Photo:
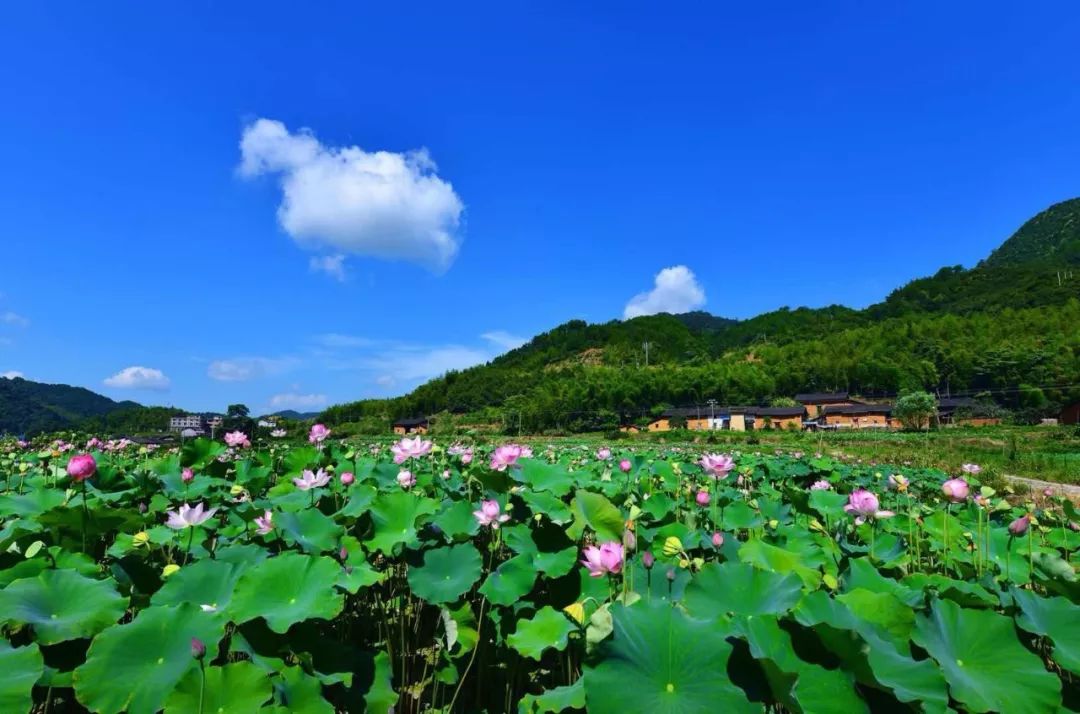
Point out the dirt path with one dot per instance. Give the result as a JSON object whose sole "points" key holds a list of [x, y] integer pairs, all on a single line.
{"points": [[1059, 489]]}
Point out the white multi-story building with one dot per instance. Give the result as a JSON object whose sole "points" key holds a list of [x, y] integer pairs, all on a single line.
{"points": [[188, 421]]}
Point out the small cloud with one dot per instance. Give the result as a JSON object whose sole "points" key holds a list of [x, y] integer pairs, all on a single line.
{"points": [[504, 340], [138, 378], [332, 265], [13, 318], [675, 290], [335, 339], [350, 201], [12, 374], [299, 402], [406, 364], [242, 369], [385, 380]]}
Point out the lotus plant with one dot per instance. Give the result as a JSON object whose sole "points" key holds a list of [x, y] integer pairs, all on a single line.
{"points": [[410, 449], [607, 558], [489, 515], [309, 480], [188, 517], [717, 466]]}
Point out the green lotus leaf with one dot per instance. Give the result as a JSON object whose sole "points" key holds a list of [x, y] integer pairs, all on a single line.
{"points": [[457, 521], [828, 503], [238, 687], [460, 627], [542, 476], [21, 668], [199, 453], [548, 629], [395, 515], [882, 609], [962, 593], [299, 693], [598, 513], [985, 665], [204, 582], [872, 654], [797, 684], [62, 605], [557, 564], [510, 582], [740, 515], [1055, 618], [861, 573], [780, 560], [740, 589], [381, 697], [662, 662], [309, 529], [361, 497], [543, 503], [287, 589], [553, 701], [135, 666], [447, 573], [32, 503]]}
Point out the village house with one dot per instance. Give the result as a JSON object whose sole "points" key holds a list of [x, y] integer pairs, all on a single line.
{"points": [[1070, 414], [417, 425], [855, 416], [964, 411], [778, 417], [814, 402]]}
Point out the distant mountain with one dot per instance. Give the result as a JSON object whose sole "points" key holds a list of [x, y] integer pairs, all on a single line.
{"points": [[28, 407], [1008, 324], [294, 415]]}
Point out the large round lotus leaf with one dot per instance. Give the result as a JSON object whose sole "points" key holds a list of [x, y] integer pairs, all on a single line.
{"points": [[309, 529], [542, 476], [543, 503], [985, 665], [236, 688], [598, 513], [547, 629], [457, 521], [395, 515], [742, 589], [204, 582], [882, 609], [20, 668], [62, 605], [554, 701], [781, 560], [510, 582], [133, 667], [447, 573], [1055, 618], [557, 564], [287, 589], [662, 662], [299, 693]]}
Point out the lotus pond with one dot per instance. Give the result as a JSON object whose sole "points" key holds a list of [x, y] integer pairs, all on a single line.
{"points": [[419, 577]]}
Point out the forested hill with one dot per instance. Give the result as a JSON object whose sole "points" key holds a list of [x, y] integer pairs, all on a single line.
{"points": [[1009, 324], [28, 408]]}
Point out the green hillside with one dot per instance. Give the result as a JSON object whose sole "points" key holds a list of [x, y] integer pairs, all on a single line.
{"points": [[28, 408], [1008, 325]]}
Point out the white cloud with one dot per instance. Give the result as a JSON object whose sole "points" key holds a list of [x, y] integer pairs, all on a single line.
{"points": [[138, 378], [13, 318], [299, 402], [12, 374], [336, 339], [675, 290], [332, 265], [504, 340], [242, 369], [385, 380], [345, 200], [404, 364]]}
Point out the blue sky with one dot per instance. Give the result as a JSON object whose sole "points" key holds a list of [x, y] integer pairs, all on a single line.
{"points": [[540, 162]]}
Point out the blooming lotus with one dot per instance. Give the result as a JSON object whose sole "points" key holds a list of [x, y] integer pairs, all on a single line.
{"points": [[265, 522], [507, 456], [406, 479], [311, 480], [603, 454], [237, 439], [93, 443], [489, 515], [821, 486], [717, 466], [625, 466], [863, 505], [607, 558], [955, 489], [188, 517], [409, 449], [81, 467], [318, 433], [900, 483], [971, 468], [278, 433]]}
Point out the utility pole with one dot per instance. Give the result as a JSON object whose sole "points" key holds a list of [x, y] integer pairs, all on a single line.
{"points": [[645, 345], [712, 412]]}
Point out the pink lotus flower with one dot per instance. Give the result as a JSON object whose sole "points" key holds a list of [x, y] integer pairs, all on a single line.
{"points": [[318, 433], [187, 475], [702, 498], [278, 433], [406, 479], [237, 439], [81, 467], [647, 559], [311, 480], [863, 504], [93, 443], [717, 539], [506, 456], [265, 522], [410, 449], [347, 478], [821, 486], [198, 649], [607, 558], [956, 490], [625, 466], [900, 483], [603, 453], [1020, 526], [188, 517], [971, 468], [717, 466], [445, 474], [489, 514]]}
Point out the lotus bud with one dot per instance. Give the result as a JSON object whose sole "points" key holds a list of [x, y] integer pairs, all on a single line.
{"points": [[648, 559], [198, 649], [1020, 526]]}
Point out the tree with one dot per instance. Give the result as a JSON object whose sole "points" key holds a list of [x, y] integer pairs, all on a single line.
{"points": [[915, 410], [237, 419]]}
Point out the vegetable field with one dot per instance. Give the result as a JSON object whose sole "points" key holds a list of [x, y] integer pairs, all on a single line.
{"points": [[421, 577]]}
